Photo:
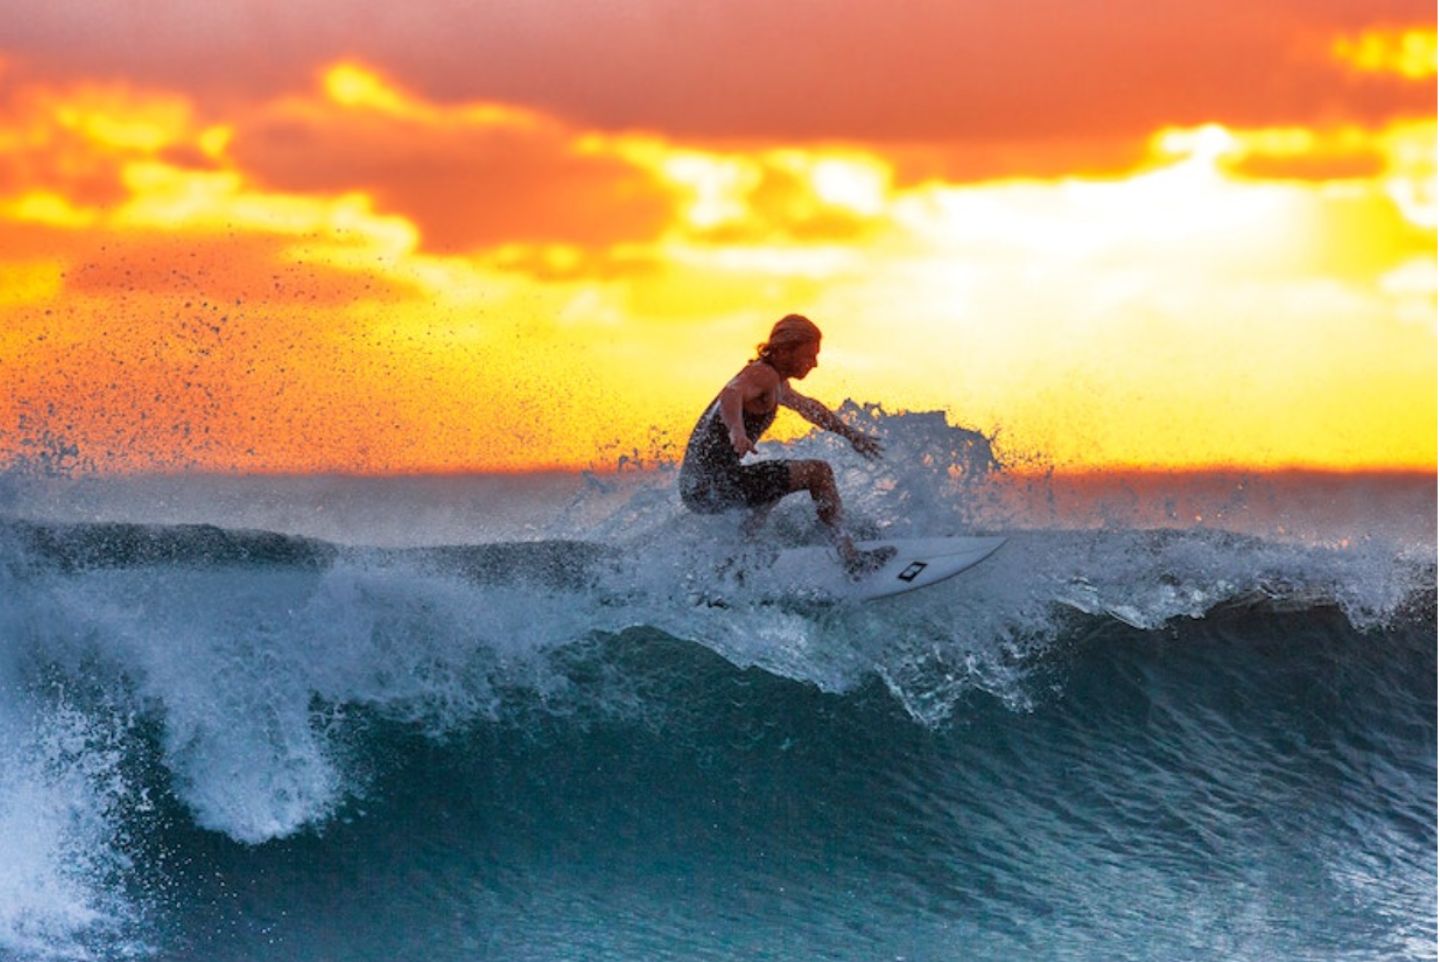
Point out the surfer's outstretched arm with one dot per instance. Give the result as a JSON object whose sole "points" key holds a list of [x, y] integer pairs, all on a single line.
{"points": [[822, 417]]}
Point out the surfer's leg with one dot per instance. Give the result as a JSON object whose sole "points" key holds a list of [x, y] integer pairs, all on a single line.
{"points": [[760, 487], [817, 478]]}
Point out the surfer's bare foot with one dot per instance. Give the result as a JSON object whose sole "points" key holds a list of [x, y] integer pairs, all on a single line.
{"points": [[862, 563]]}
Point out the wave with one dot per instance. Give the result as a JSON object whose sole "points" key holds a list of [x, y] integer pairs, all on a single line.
{"points": [[263, 686], [131, 757]]}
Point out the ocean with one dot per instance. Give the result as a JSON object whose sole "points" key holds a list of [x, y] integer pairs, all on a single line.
{"points": [[473, 718]]}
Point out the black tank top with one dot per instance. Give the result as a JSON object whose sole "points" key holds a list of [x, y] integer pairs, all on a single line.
{"points": [[710, 450]]}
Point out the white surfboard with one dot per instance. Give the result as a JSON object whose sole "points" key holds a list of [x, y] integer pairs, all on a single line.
{"points": [[816, 572]]}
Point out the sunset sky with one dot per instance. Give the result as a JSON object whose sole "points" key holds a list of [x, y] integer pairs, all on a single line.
{"points": [[327, 235]]}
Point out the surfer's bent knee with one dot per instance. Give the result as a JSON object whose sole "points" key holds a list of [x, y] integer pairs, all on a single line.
{"points": [[818, 478], [811, 475]]}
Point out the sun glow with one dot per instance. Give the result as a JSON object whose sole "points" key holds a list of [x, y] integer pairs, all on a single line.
{"points": [[483, 285], [716, 185], [860, 184]]}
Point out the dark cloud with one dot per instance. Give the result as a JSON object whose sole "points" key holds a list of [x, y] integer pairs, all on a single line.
{"points": [[933, 70], [1320, 165], [466, 186]]}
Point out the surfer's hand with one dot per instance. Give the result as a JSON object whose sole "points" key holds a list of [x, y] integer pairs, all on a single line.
{"points": [[742, 444], [869, 446]]}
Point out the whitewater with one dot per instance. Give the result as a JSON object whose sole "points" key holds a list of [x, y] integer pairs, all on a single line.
{"points": [[332, 718]]}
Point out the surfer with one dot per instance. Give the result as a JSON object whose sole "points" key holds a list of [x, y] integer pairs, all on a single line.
{"points": [[712, 477]]}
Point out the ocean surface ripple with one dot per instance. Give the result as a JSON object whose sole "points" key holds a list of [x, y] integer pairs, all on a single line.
{"points": [[1111, 740]]}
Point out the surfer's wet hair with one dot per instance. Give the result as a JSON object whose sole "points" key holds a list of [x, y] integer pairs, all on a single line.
{"points": [[790, 329]]}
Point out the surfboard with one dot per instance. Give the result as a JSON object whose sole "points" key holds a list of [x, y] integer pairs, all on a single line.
{"points": [[816, 572]]}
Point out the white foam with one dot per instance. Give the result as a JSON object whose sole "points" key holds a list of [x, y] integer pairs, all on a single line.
{"points": [[60, 865]]}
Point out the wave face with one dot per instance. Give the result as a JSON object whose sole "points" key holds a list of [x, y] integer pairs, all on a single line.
{"points": [[1124, 738]]}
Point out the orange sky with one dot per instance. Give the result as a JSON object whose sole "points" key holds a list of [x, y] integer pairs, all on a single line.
{"points": [[280, 238]]}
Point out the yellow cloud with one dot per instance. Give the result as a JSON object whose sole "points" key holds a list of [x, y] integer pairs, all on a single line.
{"points": [[120, 119], [1408, 52], [352, 85], [357, 86], [169, 197], [47, 207]]}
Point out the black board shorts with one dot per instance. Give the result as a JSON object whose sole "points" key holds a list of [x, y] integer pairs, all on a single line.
{"points": [[741, 486]]}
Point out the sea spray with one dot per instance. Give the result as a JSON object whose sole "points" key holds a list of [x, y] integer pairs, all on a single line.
{"points": [[1132, 683]]}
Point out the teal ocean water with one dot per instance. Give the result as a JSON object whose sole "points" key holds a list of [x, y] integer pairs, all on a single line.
{"points": [[468, 719]]}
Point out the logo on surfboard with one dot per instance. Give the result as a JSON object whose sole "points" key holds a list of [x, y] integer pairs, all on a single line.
{"points": [[911, 571]]}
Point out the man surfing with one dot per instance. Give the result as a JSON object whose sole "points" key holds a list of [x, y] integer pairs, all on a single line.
{"points": [[712, 477]]}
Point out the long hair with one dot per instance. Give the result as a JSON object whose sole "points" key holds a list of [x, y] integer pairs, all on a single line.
{"points": [[790, 329]]}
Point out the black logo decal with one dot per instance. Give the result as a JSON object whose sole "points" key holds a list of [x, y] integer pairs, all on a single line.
{"points": [[911, 571]]}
